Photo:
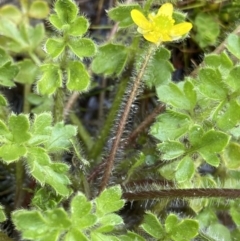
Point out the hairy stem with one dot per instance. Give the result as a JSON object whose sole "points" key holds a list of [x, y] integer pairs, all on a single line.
{"points": [[123, 119], [19, 168], [58, 105], [183, 193], [105, 131]]}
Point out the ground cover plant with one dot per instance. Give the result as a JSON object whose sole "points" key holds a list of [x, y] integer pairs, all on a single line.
{"points": [[125, 127]]}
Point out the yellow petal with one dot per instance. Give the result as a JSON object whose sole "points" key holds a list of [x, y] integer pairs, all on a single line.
{"points": [[165, 37], [151, 37], [178, 30], [166, 9], [139, 19]]}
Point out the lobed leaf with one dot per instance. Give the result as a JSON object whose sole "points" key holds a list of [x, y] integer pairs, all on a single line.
{"points": [[171, 149], [110, 59], [82, 47], [152, 226], [79, 27], [185, 169], [27, 72], [78, 78], [51, 79], [159, 70], [211, 84], [109, 201], [80, 212], [55, 47], [66, 10], [233, 45], [122, 14], [39, 10], [170, 126]]}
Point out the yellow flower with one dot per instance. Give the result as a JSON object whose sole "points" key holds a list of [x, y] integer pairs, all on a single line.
{"points": [[160, 27]]}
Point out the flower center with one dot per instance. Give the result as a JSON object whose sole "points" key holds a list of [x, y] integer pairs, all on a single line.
{"points": [[162, 23]]}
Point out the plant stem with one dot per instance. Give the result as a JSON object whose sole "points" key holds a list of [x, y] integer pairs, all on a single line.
{"points": [[26, 104], [58, 105], [83, 134], [183, 193], [98, 147], [123, 119], [20, 173], [19, 184]]}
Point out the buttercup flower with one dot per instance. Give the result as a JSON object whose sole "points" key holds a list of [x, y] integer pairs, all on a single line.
{"points": [[160, 27]]}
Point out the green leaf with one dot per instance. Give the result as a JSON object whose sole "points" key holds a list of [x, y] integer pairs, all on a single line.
{"points": [[78, 27], [171, 149], [234, 211], [27, 72], [186, 230], [36, 35], [3, 129], [41, 129], [131, 236], [109, 201], [211, 84], [82, 47], [19, 126], [56, 21], [178, 95], [232, 155], [50, 236], [5, 58], [110, 59], [11, 12], [55, 47], [46, 172], [12, 152], [219, 231], [31, 224], [220, 61], [75, 235], [233, 45], [57, 219], [185, 170], [3, 101], [80, 209], [38, 10], [7, 72], [60, 137], [51, 79], [228, 116], [96, 236], [78, 77], [41, 122], [122, 14], [10, 30], [211, 144], [171, 222], [66, 10], [2, 215], [152, 226], [170, 126], [207, 34], [45, 199], [37, 157], [195, 135], [109, 222], [233, 78], [159, 70]]}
